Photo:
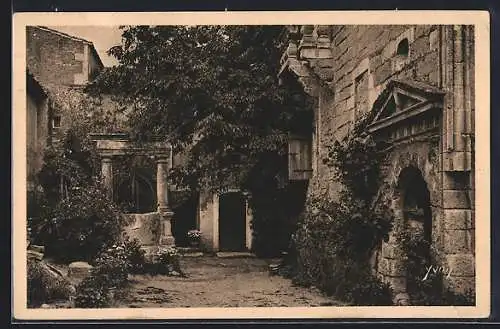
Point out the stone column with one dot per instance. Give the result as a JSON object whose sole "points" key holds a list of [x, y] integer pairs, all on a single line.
{"points": [[107, 175], [166, 214]]}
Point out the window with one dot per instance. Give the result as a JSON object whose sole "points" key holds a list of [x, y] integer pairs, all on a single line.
{"points": [[56, 121], [403, 48]]}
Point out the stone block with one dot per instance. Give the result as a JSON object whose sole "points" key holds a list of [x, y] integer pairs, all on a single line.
{"points": [[457, 242], [79, 270], [419, 47], [428, 64], [392, 251], [457, 219], [402, 299], [375, 62], [434, 40], [392, 267], [383, 72], [421, 30], [461, 265], [460, 284], [144, 227], [455, 199]]}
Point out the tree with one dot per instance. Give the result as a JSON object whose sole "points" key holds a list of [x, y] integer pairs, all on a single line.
{"points": [[214, 93], [212, 90]]}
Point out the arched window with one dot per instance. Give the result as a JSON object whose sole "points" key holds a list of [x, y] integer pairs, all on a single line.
{"points": [[403, 47]]}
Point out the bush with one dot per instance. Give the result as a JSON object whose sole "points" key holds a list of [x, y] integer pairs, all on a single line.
{"points": [[79, 226], [334, 244], [44, 287], [92, 292], [432, 291], [110, 271], [135, 255]]}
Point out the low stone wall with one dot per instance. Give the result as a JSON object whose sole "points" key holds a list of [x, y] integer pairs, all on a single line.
{"points": [[144, 227]]}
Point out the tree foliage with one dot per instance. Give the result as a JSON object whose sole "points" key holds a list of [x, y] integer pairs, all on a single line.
{"points": [[212, 91]]}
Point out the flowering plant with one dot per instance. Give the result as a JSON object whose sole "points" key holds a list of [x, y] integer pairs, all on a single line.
{"points": [[194, 235]]}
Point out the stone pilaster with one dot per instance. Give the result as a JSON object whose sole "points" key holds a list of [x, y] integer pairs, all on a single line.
{"points": [[166, 214]]}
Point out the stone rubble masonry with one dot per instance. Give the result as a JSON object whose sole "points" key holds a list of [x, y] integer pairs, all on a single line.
{"points": [[60, 59], [371, 51]]}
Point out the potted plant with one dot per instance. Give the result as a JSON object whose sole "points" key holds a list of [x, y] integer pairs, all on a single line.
{"points": [[194, 237]]}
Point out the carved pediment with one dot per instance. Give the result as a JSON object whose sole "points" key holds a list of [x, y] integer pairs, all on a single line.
{"points": [[405, 108]]}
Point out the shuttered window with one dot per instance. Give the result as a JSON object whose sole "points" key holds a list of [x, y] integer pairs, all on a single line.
{"points": [[299, 157]]}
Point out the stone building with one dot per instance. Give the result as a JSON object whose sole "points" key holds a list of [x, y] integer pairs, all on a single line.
{"points": [[419, 81], [53, 58], [37, 128]]}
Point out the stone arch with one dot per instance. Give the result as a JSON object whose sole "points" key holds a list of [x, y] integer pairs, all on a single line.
{"points": [[411, 207], [405, 163]]}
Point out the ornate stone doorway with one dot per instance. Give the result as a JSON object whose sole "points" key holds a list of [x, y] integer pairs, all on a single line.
{"points": [[413, 216]]}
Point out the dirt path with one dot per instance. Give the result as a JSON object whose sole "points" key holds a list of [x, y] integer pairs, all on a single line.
{"points": [[219, 282]]}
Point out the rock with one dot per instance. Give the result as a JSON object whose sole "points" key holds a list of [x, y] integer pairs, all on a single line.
{"points": [[40, 249], [174, 273], [45, 306], [402, 299], [35, 255], [79, 270]]}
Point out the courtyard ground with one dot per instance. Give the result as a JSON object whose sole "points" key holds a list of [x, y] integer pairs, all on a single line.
{"points": [[219, 282]]}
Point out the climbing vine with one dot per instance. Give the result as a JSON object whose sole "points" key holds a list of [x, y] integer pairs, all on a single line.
{"points": [[335, 240]]}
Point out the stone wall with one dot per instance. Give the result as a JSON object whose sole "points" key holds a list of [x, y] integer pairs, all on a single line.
{"points": [[366, 53], [57, 58], [37, 129], [345, 68]]}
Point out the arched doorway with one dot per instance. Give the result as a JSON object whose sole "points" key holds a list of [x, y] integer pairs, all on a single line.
{"points": [[416, 222], [416, 202]]}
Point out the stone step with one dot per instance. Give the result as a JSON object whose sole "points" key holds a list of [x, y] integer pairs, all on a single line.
{"points": [[234, 254]]}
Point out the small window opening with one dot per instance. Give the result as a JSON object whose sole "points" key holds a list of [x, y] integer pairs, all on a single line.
{"points": [[56, 121], [403, 48]]}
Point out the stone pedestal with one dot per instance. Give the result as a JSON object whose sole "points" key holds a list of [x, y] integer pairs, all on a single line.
{"points": [[166, 237]]}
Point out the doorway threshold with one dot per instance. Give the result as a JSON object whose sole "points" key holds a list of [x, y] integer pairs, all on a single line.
{"points": [[234, 254]]}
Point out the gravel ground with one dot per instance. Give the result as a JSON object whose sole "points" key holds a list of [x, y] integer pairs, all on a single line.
{"points": [[218, 282]]}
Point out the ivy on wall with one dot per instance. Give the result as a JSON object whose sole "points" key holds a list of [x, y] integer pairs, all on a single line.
{"points": [[335, 240]]}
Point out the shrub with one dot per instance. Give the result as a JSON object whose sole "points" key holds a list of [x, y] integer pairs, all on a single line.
{"points": [[135, 255], [432, 291], [110, 271], [44, 287], [92, 292], [168, 261], [79, 226], [335, 240]]}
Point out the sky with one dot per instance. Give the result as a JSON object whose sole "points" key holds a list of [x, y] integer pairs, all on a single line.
{"points": [[103, 38]]}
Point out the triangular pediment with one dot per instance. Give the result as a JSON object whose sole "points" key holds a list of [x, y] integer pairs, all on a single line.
{"points": [[401, 100]]}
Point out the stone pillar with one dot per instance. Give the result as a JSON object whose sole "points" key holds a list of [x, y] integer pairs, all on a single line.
{"points": [[166, 214], [107, 175]]}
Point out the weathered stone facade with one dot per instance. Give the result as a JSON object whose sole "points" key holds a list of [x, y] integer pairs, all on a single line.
{"points": [[52, 59], [429, 71], [59, 58], [37, 128]]}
